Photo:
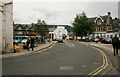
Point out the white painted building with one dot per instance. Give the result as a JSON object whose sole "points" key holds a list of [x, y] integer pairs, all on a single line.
{"points": [[110, 35], [60, 31], [0, 26], [6, 25]]}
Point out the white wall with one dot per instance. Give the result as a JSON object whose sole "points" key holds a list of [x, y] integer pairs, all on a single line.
{"points": [[0, 26], [59, 31], [7, 25], [108, 34]]}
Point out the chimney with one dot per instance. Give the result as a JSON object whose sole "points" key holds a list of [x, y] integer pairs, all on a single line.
{"points": [[109, 13]]}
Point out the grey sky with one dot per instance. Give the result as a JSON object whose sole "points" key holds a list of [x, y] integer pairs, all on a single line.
{"points": [[60, 12]]}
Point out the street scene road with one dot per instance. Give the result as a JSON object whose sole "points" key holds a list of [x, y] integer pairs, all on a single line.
{"points": [[68, 58], [59, 38]]}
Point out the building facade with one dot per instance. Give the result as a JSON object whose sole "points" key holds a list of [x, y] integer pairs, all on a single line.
{"points": [[1, 12], [105, 26], [60, 31], [6, 25], [22, 30], [54, 30]]}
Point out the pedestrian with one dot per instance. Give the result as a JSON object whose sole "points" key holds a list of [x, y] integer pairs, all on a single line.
{"points": [[28, 44], [115, 41], [32, 43]]}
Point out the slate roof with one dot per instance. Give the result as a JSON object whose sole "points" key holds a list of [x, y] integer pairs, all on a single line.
{"points": [[92, 19], [15, 26], [69, 28], [104, 17], [50, 27]]}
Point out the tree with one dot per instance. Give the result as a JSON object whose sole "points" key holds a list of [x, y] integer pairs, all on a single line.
{"points": [[41, 28], [81, 25]]}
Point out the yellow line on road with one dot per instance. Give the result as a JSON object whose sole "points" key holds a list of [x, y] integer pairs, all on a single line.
{"points": [[46, 48], [103, 67], [105, 64]]}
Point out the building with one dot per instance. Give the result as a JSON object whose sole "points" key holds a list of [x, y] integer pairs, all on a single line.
{"points": [[60, 31], [105, 26], [6, 25], [20, 30]]}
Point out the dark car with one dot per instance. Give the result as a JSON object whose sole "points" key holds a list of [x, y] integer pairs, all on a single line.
{"points": [[108, 40], [102, 40], [87, 40]]}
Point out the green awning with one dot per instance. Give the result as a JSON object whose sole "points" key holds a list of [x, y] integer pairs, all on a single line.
{"points": [[100, 32], [20, 36]]}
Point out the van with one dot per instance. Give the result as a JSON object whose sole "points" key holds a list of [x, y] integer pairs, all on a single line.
{"points": [[60, 39]]}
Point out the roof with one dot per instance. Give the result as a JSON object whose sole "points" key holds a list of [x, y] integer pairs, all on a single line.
{"points": [[104, 17], [69, 28], [92, 19], [50, 27], [15, 26]]}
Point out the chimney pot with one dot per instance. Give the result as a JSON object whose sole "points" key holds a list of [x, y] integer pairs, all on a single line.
{"points": [[109, 13]]}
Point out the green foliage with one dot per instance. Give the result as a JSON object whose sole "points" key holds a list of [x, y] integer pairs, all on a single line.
{"points": [[41, 28], [81, 25]]}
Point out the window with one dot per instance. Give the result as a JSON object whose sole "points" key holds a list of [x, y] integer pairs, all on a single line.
{"points": [[111, 36], [99, 22]]}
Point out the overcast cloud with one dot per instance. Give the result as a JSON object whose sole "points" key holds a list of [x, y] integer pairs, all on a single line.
{"points": [[60, 12]]}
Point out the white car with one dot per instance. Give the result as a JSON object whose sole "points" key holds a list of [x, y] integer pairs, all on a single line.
{"points": [[96, 40], [24, 41], [60, 39]]}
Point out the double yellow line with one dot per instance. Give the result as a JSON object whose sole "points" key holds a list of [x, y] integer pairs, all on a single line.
{"points": [[105, 64], [45, 48]]}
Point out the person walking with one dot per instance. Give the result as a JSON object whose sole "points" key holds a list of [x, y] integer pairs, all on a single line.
{"points": [[115, 41], [32, 43], [28, 44]]}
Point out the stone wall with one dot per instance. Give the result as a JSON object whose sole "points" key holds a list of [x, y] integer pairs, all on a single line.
{"points": [[7, 26], [0, 26]]}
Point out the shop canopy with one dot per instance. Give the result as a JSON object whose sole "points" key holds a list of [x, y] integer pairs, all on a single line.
{"points": [[30, 34]]}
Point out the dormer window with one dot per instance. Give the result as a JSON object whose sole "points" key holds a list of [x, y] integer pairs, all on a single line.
{"points": [[99, 22]]}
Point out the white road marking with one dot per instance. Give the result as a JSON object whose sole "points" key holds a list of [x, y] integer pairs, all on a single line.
{"points": [[69, 44]]}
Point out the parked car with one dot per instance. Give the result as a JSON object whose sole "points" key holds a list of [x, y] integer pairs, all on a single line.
{"points": [[87, 40], [24, 41], [96, 40], [16, 41], [37, 40], [19, 41], [102, 40], [108, 40], [60, 39]]}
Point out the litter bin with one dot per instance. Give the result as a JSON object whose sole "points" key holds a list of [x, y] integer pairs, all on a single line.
{"points": [[16, 48]]}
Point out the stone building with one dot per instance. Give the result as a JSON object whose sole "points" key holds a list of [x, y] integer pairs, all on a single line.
{"points": [[105, 26], [6, 25], [21, 29]]}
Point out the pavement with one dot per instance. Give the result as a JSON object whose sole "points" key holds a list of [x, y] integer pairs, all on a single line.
{"points": [[108, 49], [25, 52], [67, 58]]}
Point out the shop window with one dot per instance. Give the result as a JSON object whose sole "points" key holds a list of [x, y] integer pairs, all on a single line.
{"points": [[111, 36]]}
